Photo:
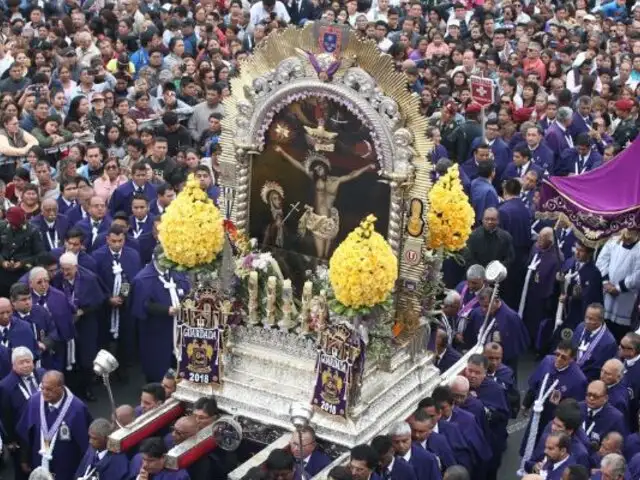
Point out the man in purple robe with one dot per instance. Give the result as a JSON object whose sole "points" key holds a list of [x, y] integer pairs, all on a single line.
{"points": [[153, 454], [315, 460], [15, 390], [572, 383], [54, 428], [568, 419], [57, 304], [468, 291], [424, 434], [390, 466], [462, 451], [68, 194], [611, 374], [98, 460], [425, 464], [43, 327], [558, 137], [598, 416], [494, 401], [537, 299], [81, 209], [583, 283], [51, 225], [499, 149], [15, 332], [87, 295], [96, 223], [446, 355], [148, 242], [580, 159], [460, 389], [465, 422], [557, 457], [73, 243], [630, 355], [141, 221], [565, 238], [502, 375], [594, 341], [117, 265], [504, 326], [122, 197], [515, 218], [121, 220], [541, 154], [156, 294]]}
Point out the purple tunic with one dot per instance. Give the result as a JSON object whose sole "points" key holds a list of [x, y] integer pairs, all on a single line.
{"points": [[508, 330], [56, 303], [494, 399], [13, 396], [540, 293], [150, 305], [45, 331], [86, 294], [67, 453], [599, 350], [130, 262], [607, 419], [60, 227], [590, 281], [84, 259], [113, 466], [473, 434], [122, 197], [86, 226], [578, 450]]}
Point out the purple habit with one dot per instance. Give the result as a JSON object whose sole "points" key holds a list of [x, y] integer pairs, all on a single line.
{"points": [[56, 303], [149, 307], [45, 331], [571, 384], [599, 349], [20, 334], [473, 433], [494, 399], [84, 259], [49, 235], [578, 299], [122, 197], [129, 260], [540, 294], [113, 466], [607, 419], [15, 392], [68, 450], [578, 451], [86, 294], [508, 331]]}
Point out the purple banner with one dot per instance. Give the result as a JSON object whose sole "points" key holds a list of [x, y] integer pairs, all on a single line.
{"points": [[339, 368], [599, 203], [200, 355]]}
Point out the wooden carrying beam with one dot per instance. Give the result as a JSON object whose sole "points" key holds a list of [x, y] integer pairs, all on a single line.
{"points": [[145, 426], [183, 455]]}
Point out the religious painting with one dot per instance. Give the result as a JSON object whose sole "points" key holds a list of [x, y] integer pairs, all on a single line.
{"points": [[316, 179]]}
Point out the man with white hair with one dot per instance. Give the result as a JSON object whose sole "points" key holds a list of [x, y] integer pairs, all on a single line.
{"points": [[611, 374], [97, 459], [15, 390], [614, 467], [537, 301], [87, 295], [54, 302], [424, 463], [468, 290]]}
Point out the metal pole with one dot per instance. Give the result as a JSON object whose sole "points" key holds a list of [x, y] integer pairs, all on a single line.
{"points": [[300, 459]]}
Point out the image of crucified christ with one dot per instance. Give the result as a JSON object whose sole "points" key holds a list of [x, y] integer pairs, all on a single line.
{"points": [[323, 219]]}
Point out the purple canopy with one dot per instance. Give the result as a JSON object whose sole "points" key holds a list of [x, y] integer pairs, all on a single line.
{"points": [[599, 203]]}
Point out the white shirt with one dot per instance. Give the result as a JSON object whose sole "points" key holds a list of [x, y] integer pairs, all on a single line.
{"points": [[407, 456], [393, 460], [58, 404], [258, 12], [102, 453]]}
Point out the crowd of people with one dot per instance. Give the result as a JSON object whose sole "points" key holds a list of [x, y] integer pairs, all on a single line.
{"points": [[105, 108]]}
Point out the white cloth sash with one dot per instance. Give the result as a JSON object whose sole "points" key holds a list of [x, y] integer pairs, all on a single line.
{"points": [[175, 303], [117, 285], [53, 242], [535, 261]]}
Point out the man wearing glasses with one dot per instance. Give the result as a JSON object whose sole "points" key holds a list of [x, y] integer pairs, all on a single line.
{"points": [[560, 366], [313, 459], [599, 417]]}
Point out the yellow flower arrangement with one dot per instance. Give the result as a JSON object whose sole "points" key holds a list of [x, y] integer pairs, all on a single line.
{"points": [[191, 231], [450, 217], [363, 269]]}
